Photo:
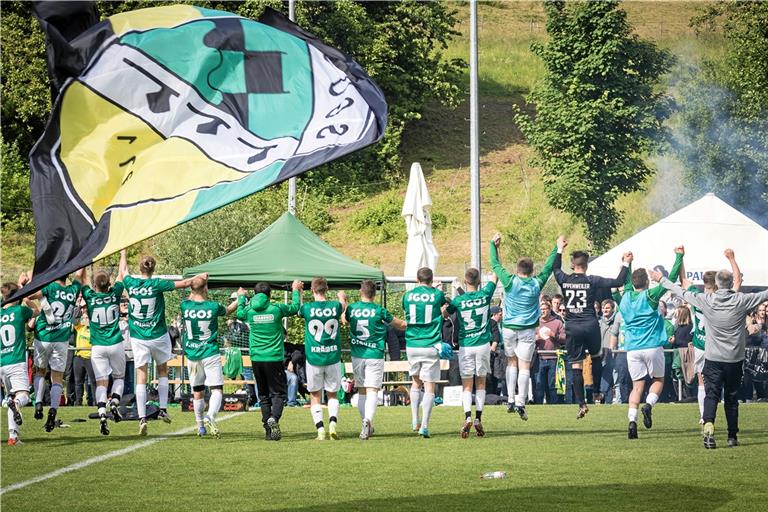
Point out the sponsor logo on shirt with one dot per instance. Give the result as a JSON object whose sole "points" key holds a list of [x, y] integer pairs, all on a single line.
{"points": [[263, 319]]}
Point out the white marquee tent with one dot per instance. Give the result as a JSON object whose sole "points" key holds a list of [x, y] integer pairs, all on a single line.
{"points": [[706, 228]]}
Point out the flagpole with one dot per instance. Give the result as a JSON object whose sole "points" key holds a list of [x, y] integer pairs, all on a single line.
{"points": [[292, 181], [474, 159]]}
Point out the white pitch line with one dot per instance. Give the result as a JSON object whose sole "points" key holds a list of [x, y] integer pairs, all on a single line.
{"points": [[106, 456]]}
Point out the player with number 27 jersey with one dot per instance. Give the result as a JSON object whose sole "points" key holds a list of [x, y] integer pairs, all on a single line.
{"points": [[146, 314]]}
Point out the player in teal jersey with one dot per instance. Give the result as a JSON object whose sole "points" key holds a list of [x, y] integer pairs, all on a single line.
{"points": [[474, 345], [322, 343], [107, 353], [368, 323], [423, 339], [200, 318], [644, 340], [13, 358], [148, 332], [521, 318], [53, 332]]}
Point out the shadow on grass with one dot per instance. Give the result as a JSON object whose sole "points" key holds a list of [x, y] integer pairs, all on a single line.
{"points": [[611, 496]]}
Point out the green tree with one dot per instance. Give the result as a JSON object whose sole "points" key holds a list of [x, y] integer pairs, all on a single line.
{"points": [[721, 131], [597, 111]]}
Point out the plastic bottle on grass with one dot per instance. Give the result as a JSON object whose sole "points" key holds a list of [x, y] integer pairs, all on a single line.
{"points": [[494, 475]]}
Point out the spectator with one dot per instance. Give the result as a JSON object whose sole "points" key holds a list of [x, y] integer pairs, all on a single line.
{"points": [[550, 336], [605, 319], [681, 339], [622, 380], [293, 385], [558, 308], [498, 371], [129, 365], [756, 334], [668, 393], [395, 343], [82, 369]]}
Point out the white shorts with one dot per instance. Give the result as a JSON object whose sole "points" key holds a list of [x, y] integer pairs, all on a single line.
{"points": [[15, 377], [158, 349], [369, 373], [53, 354], [108, 360], [424, 362], [647, 361], [206, 372], [698, 360], [324, 377], [520, 344], [475, 361]]}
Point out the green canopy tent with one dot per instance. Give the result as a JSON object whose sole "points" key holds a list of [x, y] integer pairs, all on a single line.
{"points": [[284, 251]]}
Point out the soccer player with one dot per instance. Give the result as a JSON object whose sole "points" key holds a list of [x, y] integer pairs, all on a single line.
{"points": [[107, 354], [53, 332], [521, 318], [423, 340], [368, 333], [148, 332], [200, 318], [474, 346], [13, 357], [644, 340], [267, 350], [582, 331], [323, 351]]}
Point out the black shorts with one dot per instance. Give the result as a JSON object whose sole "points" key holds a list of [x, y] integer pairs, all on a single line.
{"points": [[582, 338]]}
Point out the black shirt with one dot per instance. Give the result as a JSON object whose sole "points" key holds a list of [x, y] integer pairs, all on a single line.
{"points": [[580, 291]]}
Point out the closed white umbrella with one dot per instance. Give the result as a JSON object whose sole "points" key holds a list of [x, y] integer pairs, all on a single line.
{"points": [[420, 251]]}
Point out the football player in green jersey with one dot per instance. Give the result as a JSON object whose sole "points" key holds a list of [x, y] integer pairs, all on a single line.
{"points": [[474, 345], [323, 351], [200, 318], [368, 323], [423, 339], [53, 332], [13, 359]]}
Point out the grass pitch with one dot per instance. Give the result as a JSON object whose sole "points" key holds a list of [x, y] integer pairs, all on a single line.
{"points": [[553, 463]]}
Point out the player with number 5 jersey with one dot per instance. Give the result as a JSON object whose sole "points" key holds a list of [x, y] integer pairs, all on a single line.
{"points": [[148, 332], [322, 344]]}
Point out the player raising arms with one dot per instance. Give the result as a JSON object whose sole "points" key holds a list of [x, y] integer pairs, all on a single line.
{"points": [[474, 345], [644, 339], [423, 342], [201, 346], [107, 353], [323, 352], [582, 331], [521, 318], [13, 357], [53, 332], [148, 332], [368, 332], [267, 350]]}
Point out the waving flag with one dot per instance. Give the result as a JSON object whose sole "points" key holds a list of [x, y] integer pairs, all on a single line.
{"points": [[175, 111]]}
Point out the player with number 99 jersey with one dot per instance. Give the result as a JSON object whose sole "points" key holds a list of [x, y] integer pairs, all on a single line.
{"points": [[321, 332], [201, 328]]}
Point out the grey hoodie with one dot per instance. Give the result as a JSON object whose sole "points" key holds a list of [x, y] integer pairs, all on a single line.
{"points": [[726, 313]]}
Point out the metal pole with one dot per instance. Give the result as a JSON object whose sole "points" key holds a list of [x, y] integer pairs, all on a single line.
{"points": [[292, 181], [474, 140]]}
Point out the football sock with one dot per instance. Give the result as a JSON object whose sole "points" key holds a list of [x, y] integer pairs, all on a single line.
{"points": [[101, 394], [511, 381], [101, 407], [479, 401], [55, 396], [578, 386], [523, 380], [162, 392], [199, 405], [597, 373], [466, 401], [426, 408], [333, 409], [361, 401], [651, 399], [12, 426], [39, 388], [317, 415], [701, 396], [141, 400], [117, 388], [371, 402], [22, 400], [632, 414], [415, 397], [214, 403]]}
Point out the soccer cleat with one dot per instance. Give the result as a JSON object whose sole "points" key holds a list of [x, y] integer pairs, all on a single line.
{"points": [[14, 441], [332, 431], [321, 434], [16, 413], [415, 426], [50, 423], [143, 427], [479, 428], [511, 407], [267, 433], [163, 415], [733, 442], [709, 436], [103, 428], [365, 432], [201, 432], [38, 410], [465, 428], [520, 410], [647, 411], [113, 408], [424, 432], [212, 427], [274, 429], [632, 432], [583, 410]]}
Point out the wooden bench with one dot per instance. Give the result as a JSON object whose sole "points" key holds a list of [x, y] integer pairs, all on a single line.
{"points": [[398, 367]]}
